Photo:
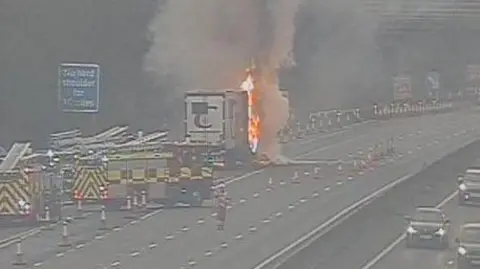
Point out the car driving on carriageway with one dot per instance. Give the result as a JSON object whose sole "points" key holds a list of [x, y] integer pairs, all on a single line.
{"points": [[428, 226]]}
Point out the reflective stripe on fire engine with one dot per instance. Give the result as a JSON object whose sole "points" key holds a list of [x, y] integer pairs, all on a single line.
{"points": [[13, 190], [88, 181]]}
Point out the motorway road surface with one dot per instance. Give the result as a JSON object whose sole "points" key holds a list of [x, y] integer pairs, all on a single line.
{"points": [[401, 257], [260, 221], [364, 240]]}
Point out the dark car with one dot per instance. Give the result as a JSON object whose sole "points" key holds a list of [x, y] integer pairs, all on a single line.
{"points": [[469, 189], [428, 226], [468, 250]]}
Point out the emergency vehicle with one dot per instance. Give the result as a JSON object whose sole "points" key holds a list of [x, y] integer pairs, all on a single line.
{"points": [[27, 188], [168, 173]]}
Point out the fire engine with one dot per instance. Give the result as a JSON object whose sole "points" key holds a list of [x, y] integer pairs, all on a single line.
{"points": [[27, 188], [167, 173]]}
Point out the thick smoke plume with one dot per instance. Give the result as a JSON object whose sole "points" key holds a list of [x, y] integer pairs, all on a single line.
{"points": [[209, 43]]}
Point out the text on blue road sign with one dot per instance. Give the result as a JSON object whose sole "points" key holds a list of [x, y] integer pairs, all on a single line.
{"points": [[79, 87]]}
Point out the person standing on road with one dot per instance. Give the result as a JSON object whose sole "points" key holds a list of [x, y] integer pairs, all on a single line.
{"points": [[222, 202]]}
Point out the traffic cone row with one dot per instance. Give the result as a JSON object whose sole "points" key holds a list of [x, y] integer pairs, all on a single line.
{"points": [[65, 241], [370, 160]]}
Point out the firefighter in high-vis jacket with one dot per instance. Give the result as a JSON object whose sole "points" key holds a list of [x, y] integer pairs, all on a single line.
{"points": [[222, 200]]}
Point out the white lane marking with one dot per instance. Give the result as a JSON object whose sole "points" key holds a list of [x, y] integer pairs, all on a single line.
{"points": [[397, 241], [12, 239], [326, 226]]}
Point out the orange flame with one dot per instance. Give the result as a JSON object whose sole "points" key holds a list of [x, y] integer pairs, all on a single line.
{"points": [[248, 85]]}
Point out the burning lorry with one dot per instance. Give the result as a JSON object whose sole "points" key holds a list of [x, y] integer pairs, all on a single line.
{"points": [[227, 122]]}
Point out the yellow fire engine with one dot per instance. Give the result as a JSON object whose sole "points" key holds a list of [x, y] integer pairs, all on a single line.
{"points": [[168, 174], [26, 188]]}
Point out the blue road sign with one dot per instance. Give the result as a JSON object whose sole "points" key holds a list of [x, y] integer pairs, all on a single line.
{"points": [[79, 87]]}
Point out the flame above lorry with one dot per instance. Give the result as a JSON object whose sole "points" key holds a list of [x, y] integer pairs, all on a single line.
{"points": [[228, 119]]}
